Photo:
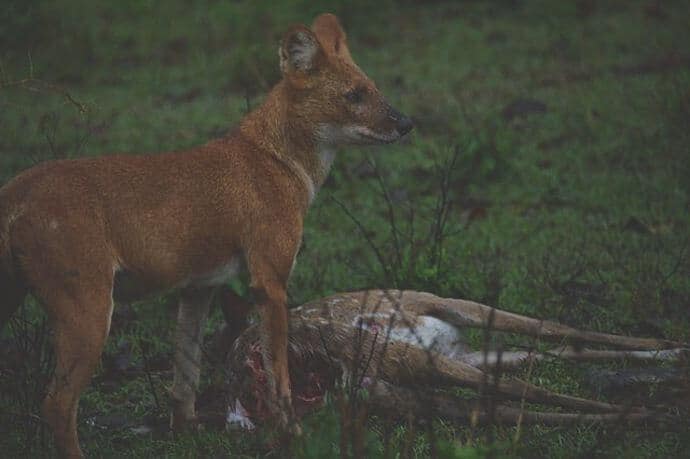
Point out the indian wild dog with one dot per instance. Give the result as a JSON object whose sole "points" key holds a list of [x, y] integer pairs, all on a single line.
{"points": [[82, 233], [404, 345]]}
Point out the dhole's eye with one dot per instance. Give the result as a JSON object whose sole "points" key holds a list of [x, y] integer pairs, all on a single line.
{"points": [[355, 96]]}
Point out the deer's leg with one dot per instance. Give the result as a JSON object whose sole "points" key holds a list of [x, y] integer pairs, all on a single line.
{"points": [[192, 312], [438, 369], [390, 399], [469, 313], [511, 415], [513, 360], [506, 361]]}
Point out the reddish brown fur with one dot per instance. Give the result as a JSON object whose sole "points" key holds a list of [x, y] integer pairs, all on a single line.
{"points": [[171, 220]]}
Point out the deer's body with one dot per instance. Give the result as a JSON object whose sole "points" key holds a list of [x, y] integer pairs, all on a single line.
{"points": [[404, 344], [79, 232]]}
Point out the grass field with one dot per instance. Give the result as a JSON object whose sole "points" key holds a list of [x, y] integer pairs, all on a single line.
{"points": [[554, 137]]}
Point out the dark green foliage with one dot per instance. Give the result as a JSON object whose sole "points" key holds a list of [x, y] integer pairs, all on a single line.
{"points": [[549, 174]]}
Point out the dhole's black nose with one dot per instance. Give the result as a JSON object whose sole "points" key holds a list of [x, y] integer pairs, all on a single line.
{"points": [[403, 124]]}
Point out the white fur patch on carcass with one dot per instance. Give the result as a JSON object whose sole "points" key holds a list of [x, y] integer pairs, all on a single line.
{"points": [[430, 333], [375, 322], [238, 418]]}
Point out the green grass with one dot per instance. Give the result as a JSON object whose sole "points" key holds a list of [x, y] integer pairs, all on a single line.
{"points": [[577, 212]]}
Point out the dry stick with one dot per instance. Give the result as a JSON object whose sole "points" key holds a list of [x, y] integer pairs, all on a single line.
{"points": [[358, 414], [357, 379], [359, 427], [486, 395], [147, 370], [30, 337], [522, 401], [391, 211], [26, 84], [368, 239], [409, 436], [428, 350], [344, 423], [391, 322], [348, 408], [389, 328], [430, 359], [342, 407], [446, 202], [386, 440], [414, 247]]}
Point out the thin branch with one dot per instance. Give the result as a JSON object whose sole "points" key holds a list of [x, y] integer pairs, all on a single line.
{"points": [[38, 85], [391, 212], [369, 240]]}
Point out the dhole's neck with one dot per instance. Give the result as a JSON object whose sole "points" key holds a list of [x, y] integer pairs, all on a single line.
{"points": [[279, 130]]}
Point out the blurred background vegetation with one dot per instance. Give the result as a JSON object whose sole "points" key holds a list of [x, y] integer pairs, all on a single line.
{"points": [[549, 174]]}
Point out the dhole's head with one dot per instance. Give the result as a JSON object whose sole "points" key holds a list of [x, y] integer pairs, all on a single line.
{"points": [[330, 93]]}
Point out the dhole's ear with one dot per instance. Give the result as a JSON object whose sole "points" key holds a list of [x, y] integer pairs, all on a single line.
{"points": [[299, 51], [332, 36]]}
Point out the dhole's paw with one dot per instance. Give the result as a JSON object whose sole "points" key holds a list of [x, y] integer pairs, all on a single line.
{"points": [[289, 425], [295, 429]]}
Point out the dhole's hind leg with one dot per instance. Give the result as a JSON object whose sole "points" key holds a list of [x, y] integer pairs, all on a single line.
{"points": [[192, 313], [80, 324], [69, 267]]}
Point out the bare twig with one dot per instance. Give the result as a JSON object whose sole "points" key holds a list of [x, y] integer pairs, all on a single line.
{"points": [[37, 85], [379, 256]]}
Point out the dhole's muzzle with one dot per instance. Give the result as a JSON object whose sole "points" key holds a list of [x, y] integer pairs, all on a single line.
{"points": [[403, 123]]}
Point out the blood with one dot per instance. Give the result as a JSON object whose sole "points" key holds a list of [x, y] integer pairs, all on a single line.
{"points": [[310, 382]]}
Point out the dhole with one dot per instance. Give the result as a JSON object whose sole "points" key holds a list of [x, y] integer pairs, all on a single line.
{"points": [[81, 234]]}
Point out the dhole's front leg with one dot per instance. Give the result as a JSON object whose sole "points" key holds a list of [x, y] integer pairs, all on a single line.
{"points": [[191, 316], [270, 270]]}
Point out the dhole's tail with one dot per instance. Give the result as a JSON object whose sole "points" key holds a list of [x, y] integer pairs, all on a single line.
{"points": [[12, 290]]}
